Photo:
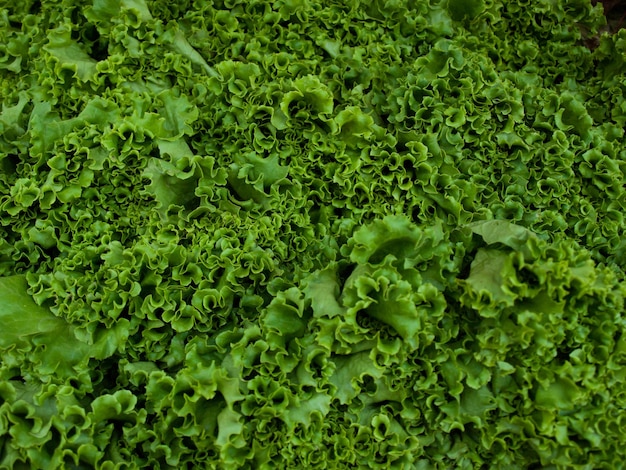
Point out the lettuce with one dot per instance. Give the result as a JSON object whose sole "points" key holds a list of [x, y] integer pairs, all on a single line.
{"points": [[369, 234]]}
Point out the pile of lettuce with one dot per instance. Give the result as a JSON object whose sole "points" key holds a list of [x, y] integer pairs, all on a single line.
{"points": [[254, 234]]}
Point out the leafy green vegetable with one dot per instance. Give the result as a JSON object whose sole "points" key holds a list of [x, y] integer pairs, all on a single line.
{"points": [[304, 234]]}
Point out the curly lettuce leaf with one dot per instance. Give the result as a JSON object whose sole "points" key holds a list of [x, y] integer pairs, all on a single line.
{"points": [[28, 326]]}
